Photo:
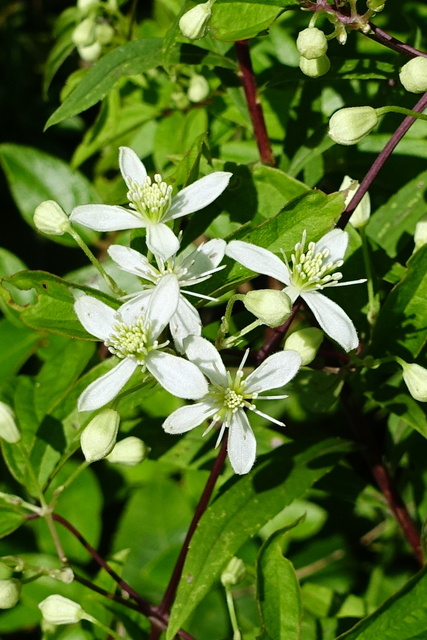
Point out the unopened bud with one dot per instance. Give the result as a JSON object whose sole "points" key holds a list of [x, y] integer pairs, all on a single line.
{"points": [[10, 592], [59, 610], [198, 89], [360, 216], [129, 452], [306, 342], [104, 33], [316, 67], [64, 575], [270, 306], [85, 5], [99, 437], [420, 233], [233, 573], [349, 126], [194, 24], [413, 75], [375, 5], [312, 43], [415, 377], [8, 427], [90, 53], [51, 219], [85, 33]]}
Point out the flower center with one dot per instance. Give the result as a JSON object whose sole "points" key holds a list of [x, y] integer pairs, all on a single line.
{"points": [[313, 269], [151, 199], [231, 398], [130, 340]]}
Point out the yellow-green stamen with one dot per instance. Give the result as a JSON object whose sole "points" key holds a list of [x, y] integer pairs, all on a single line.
{"points": [[152, 199], [313, 270]]}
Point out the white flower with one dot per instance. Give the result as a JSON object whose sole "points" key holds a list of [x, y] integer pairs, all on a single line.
{"points": [[151, 204], [190, 269], [311, 271], [229, 396], [133, 337]]}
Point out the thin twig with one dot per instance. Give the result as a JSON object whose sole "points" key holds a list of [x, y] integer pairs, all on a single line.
{"points": [[382, 37]]}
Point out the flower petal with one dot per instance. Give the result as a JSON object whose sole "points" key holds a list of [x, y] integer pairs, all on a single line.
{"points": [[206, 357], [199, 194], [96, 316], [258, 259], [185, 322], [135, 306], [131, 166], [188, 417], [132, 261], [105, 388], [163, 303], [205, 258], [104, 217], [178, 376], [332, 319], [274, 372], [161, 241], [241, 446], [336, 242]]}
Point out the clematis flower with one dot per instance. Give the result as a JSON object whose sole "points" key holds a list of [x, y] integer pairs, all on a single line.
{"points": [[189, 270], [228, 397], [151, 204], [133, 338], [312, 270]]}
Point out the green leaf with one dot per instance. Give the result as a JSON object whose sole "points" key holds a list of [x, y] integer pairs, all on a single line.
{"points": [[401, 617], [131, 58], [11, 517], [278, 590], [16, 346], [254, 16], [244, 506]]}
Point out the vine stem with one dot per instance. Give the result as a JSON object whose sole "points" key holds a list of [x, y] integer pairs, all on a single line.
{"points": [[276, 335], [380, 161], [247, 76], [382, 37]]}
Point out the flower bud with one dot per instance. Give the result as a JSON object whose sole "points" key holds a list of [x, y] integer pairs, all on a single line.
{"points": [[99, 437], [64, 575], [10, 592], [351, 125], [233, 573], [415, 377], [85, 5], [90, 53], [8, 428], [198, 89], [270, 306], [306, 342], [129, 452], [51, 219], [375, 5], [59, 610], [85, 33], [413, 75], [194, 24], [360, 216], [420, 233], [312, 43], [104, 33], [316, 67]]}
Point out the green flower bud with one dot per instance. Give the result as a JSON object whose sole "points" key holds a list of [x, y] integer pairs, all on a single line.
{"points": [[360, 216], [270, 306], [129, 452], [375, 5], [99, 437], [51, 219], [312, 43], [64, 575], [59, 610], [85, 5], [8, 428], [351, 125], [316, 67], [85, 33], [306, 342], [104, 33], [420, 233], [198, 89], [90, 53], [413, 75], [10, 592], [194, 24], [233, 573], [415, 377]]}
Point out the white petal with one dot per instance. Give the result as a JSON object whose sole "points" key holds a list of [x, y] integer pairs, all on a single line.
{"points": [[188, 417], [96, 316], [104, 217], [332, 319], [103, 390], [274, 372], [161, 241], [132, 261], [258, 259], [199, 194], [176, 375], [131, 166], [163, 303], [206, 357], [206, 258], [135, 306], [241, 446], [336, 241], [185, 322]]}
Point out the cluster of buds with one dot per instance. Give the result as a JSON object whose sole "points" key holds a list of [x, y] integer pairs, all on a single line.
{"points": [[92, 32], [312, 46]]}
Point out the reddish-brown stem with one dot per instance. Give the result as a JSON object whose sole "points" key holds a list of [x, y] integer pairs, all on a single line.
{"points": [[276, 335], [255, 110], [387, 40]]}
